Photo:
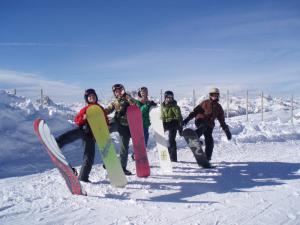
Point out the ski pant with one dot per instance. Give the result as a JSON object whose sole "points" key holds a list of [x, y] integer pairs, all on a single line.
{"points": [[125, 136], [204, 129], [146, 135], [172, 145], [89, 149]]}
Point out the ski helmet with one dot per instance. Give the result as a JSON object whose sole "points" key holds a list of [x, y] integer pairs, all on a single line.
{"points": [[214, 94], [214, 91], [169, 94], [89, 92], [117, 86], [145, 89]]}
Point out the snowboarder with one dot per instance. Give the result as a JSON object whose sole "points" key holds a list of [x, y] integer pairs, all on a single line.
{"points": [[83, 131], [172, 121], [205, 114], [145, 104], [120, 123]]}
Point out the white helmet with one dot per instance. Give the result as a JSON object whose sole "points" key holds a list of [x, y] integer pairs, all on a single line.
{"points": [[214, 91]]}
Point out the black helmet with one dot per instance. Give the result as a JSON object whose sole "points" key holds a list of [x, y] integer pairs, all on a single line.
{"points": [[89, 92], [169, 94], [117, 86], [142, 89]]}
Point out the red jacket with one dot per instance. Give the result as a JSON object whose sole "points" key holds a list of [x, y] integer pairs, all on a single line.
{"points": [[79, 117]]}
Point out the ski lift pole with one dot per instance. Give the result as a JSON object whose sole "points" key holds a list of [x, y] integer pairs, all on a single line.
{"points": [[194, 98], [262, 106], [42, 98], [292, 110], [247, 119], [227, 100]]}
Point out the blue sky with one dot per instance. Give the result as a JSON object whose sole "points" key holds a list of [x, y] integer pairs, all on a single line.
{"points": [[67, 46]]}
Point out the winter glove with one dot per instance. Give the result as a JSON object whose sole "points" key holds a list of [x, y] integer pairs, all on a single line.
{"points": [[228, 133], [152, 103], [185, 122], [180, 128]]}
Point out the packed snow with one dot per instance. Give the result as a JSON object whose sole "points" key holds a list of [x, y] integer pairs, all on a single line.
{"points": [[256, 179]]}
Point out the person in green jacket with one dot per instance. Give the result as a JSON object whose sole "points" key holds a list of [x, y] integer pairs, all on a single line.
{"points": [[120, 123], [172, 121], [145, 104]]}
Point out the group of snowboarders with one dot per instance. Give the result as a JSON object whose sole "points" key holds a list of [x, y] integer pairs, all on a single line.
{"points": [[205, 114]]}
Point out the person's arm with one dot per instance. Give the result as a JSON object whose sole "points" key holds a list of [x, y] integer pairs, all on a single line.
{"points": [[110, 108], [221, 119], [196, 111], [80, 118], [131, 100]]}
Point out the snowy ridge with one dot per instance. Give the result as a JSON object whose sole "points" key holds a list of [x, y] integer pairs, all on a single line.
{"points": [[257, 179]]}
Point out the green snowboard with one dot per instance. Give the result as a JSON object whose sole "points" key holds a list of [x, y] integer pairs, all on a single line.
{"points": [[97, 122]]}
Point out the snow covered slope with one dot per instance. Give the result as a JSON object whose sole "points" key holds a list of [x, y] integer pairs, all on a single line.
{"points": [[257, 179]]}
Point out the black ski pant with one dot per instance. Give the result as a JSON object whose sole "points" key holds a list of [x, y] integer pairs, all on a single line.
{"points": [[204, 129], [172, 145], [89, 149], [125, 136]]}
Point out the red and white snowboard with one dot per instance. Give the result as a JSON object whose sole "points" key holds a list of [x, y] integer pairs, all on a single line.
{"points": [[43, 132], [135, 121]]}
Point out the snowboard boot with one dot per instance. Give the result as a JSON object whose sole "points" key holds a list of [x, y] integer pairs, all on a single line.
{"points": [[126, 172], [75, 171], [86, 181]]}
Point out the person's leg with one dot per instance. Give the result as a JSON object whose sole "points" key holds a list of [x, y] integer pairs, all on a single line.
{"points": [[69, 137], [124, 133], [88, 159], [201, 127], [209, 143], [172, 145], [146, 135]]}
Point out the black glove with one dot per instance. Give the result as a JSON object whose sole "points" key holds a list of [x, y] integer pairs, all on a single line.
{"points": [[180, 128], [152, 103], [228, 133], [185, 122]]}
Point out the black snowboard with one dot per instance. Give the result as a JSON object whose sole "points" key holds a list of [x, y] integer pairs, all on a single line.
{"points": [[193, 142]]}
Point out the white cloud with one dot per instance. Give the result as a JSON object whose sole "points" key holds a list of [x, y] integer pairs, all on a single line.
{"points": [[29, 84]]}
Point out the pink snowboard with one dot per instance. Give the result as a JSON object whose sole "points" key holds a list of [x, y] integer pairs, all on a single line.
{"points": [[135, 121]]}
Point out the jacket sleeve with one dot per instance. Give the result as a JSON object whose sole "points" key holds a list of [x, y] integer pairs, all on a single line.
{"points": [[196, 111], [162, 114], [131, 100], [221, 119], [110, 108], [79, 117], [178, 114]]}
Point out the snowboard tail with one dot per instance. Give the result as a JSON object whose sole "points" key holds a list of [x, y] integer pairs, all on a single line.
{"points": [[58, 159], [193, 142]]}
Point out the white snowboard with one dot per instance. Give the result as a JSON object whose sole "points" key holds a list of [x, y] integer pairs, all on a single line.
{"points": [[161, 142]]}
